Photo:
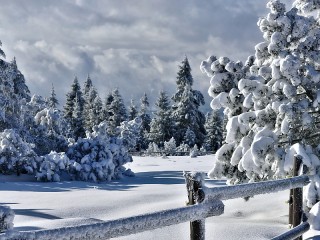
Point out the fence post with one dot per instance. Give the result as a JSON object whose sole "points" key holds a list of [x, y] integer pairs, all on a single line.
{"points": [[195, 195], [296, 198]]}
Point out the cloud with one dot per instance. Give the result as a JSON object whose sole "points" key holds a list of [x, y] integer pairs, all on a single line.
{"points": [[136, 47]]}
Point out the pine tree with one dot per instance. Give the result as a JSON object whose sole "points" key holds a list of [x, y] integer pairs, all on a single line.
{"points": [[88, 110], [146, 119], [189, 137], [133, 112], [186, 111], [52, 100], [87, 85], [106, 107], [161, 126], [77, 124], [117, 111], [19, 83], [97, 113], [214, 130], [75, 95]]}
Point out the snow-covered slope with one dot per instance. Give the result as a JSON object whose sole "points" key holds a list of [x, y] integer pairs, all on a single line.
{"points": [[158, 185]]}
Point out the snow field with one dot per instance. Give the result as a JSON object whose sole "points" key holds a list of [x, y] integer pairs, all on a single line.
{"points": [[158, 185]]}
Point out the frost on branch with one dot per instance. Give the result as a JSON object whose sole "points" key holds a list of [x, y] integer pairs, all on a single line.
{"points": [[272, 101]]}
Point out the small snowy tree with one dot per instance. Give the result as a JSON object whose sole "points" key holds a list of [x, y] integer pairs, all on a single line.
{"points": [[129, 133], [52, 100], [170, 146]]}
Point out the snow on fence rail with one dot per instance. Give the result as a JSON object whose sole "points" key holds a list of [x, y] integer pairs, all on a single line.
{"points": [[125, 226], [251, 189], [207, 204]]}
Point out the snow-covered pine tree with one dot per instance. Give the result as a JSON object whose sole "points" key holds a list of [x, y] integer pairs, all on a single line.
{"points": [[19, 83], [280, 97], [189, 137], [14, 94], [74, 95], [214, 130], [161, 126], [77, 124], [52, 100], [117, 111], [88, 108], [133, 112], [146, 119], [87, 85], [186, 111]]}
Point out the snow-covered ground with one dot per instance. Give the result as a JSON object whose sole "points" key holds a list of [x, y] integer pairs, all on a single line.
{"points": [[158, 185]]}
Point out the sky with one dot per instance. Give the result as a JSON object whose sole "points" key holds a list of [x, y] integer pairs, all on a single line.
{"points": [[134, 45]]}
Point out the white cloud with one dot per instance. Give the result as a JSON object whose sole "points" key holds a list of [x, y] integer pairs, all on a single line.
{"points": [[136, 47]]}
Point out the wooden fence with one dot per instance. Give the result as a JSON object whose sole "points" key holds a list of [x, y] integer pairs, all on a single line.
{"points": [[204, 202]]}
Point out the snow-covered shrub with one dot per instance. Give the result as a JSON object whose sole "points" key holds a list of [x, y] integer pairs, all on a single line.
{"points": [[6, 218], [51, 166], [98, 157], [16, 155], [129, 132], [183, 149], [120, 156], [170, 146], [153, 149], [194, 151]]}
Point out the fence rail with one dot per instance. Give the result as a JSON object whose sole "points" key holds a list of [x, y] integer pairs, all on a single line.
{"points": [[207, 204]]}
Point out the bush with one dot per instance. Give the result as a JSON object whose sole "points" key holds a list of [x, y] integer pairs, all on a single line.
{"points": [[16, 155]]}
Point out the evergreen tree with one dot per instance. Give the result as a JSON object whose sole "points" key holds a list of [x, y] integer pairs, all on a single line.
{"points": [[14, 95], [75, 95], [19, 83], [77, 124], [146, 119], [133, 112], [186, 111], [53, 101], [88, 110], [87, 85], [96, 112], [117, 111], [106, 107], [214, 130], [161, 126], [189, 137]]}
